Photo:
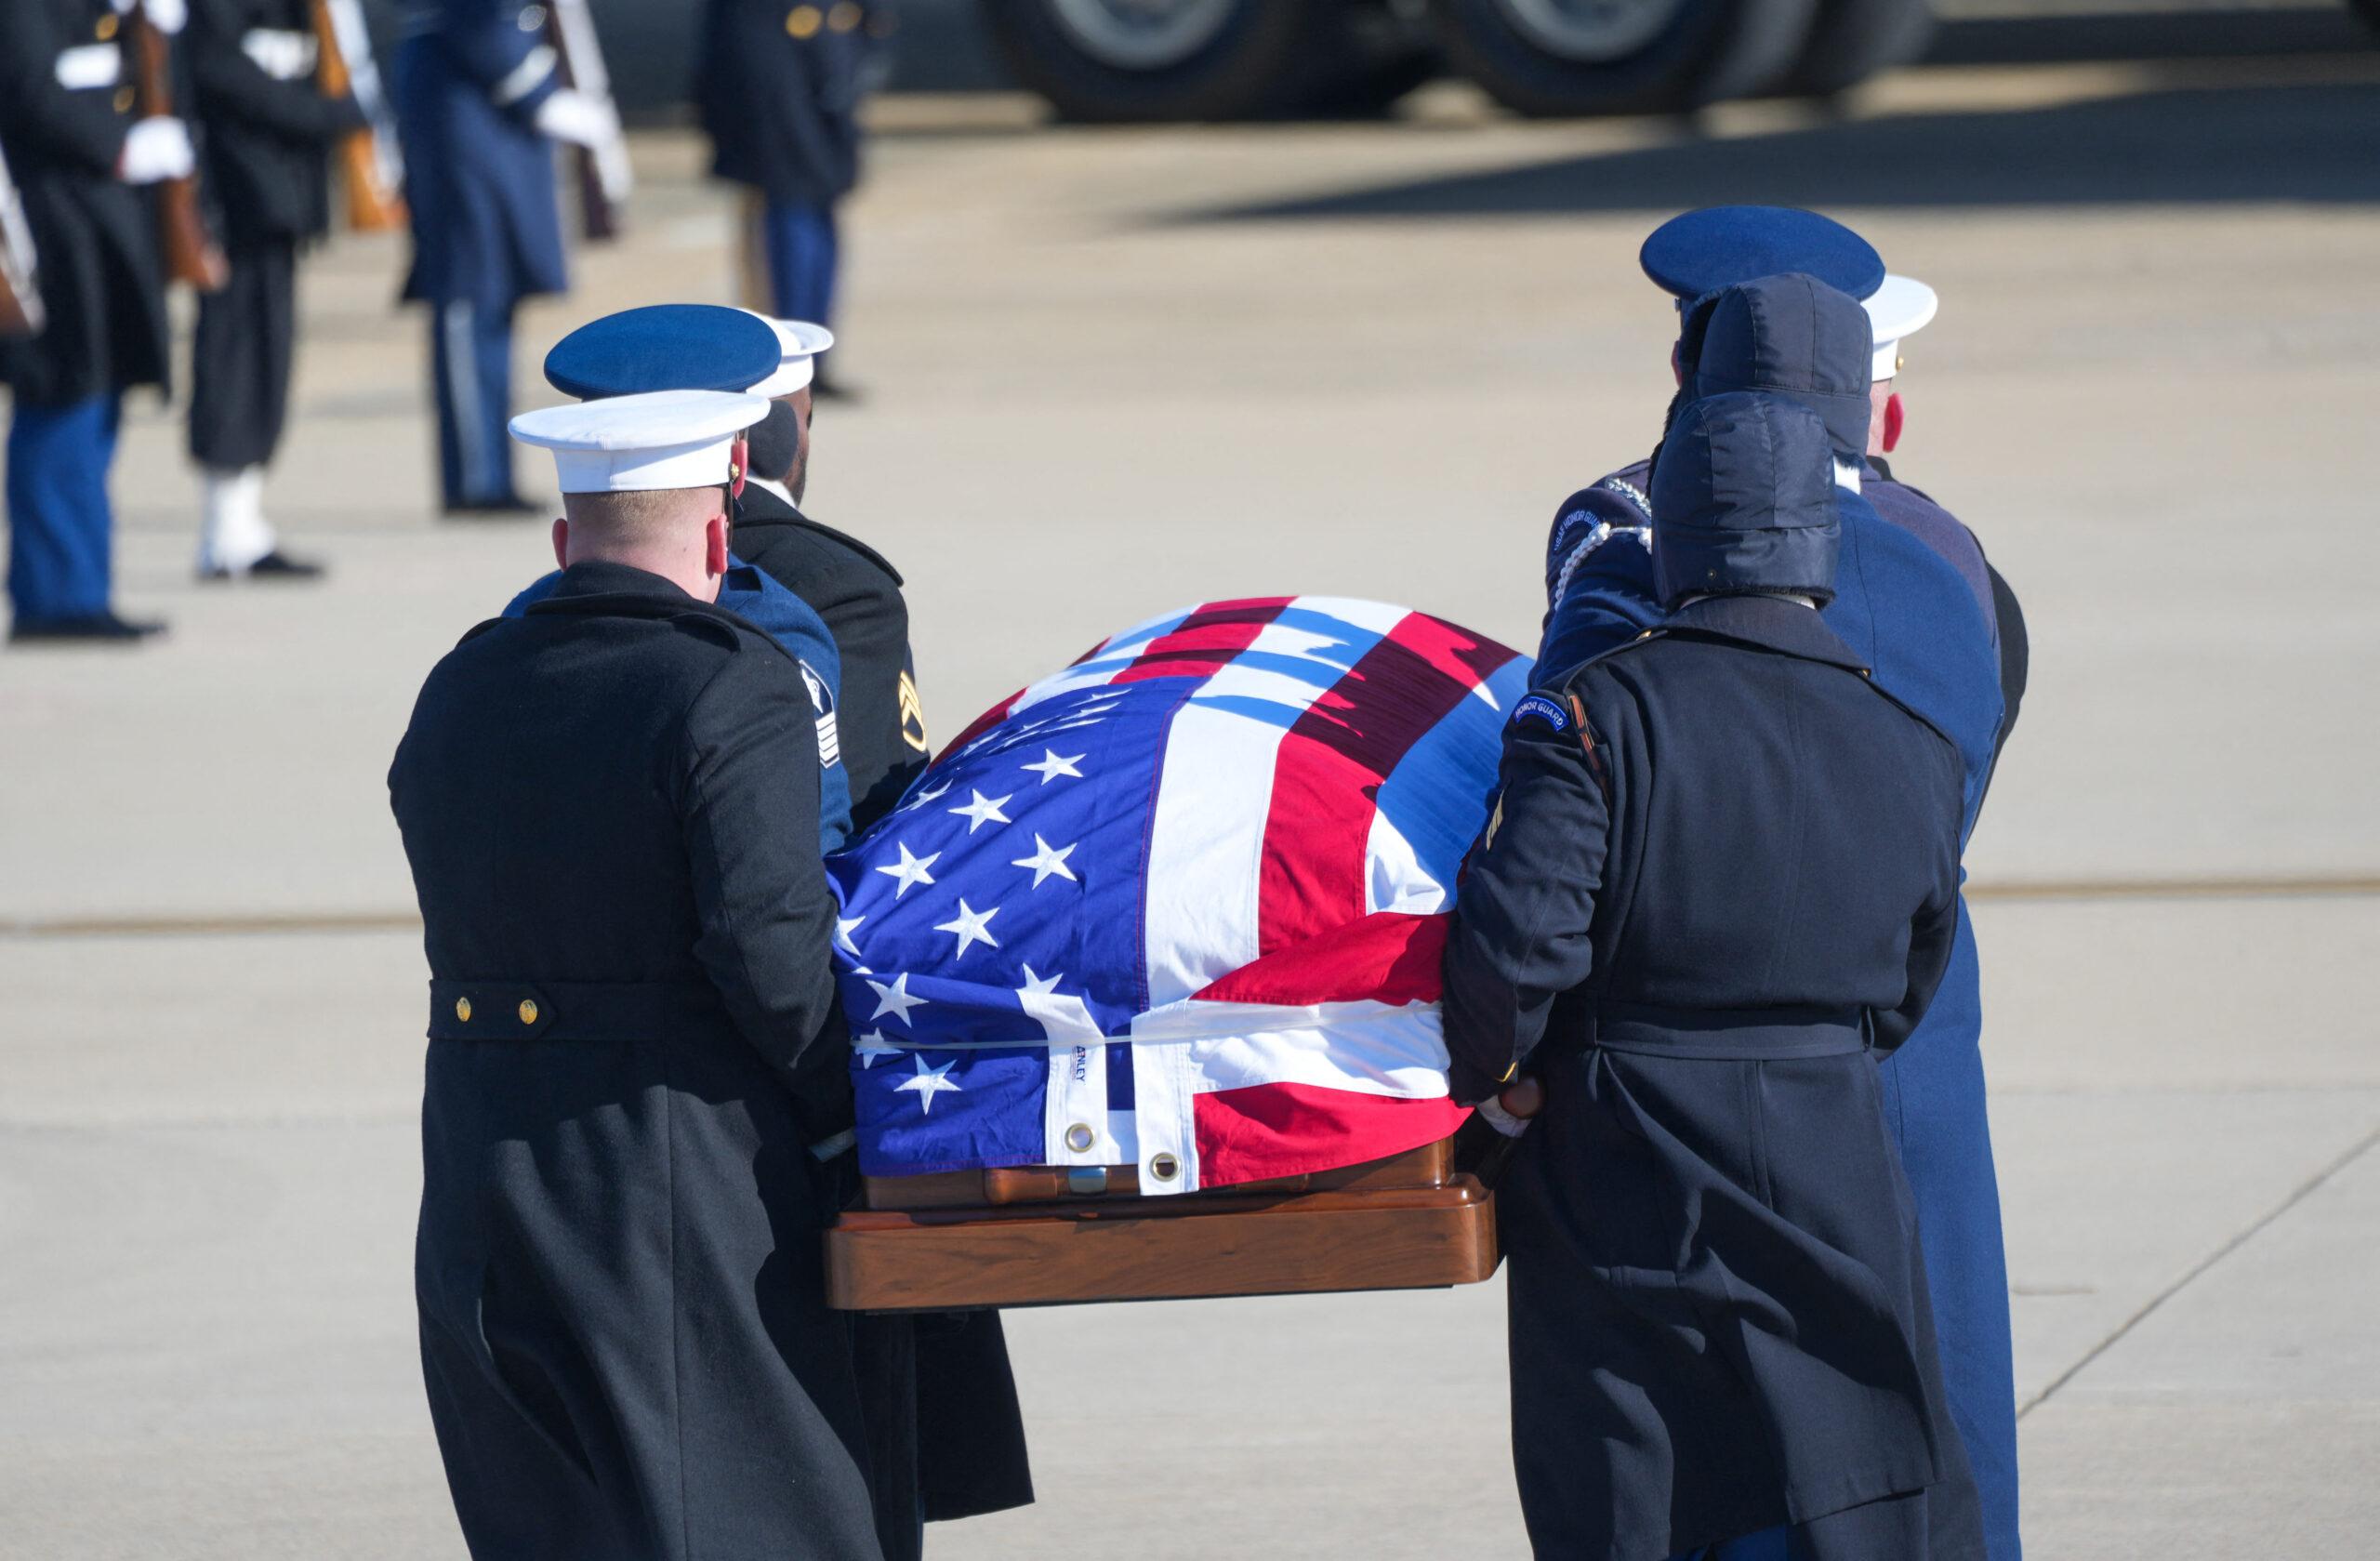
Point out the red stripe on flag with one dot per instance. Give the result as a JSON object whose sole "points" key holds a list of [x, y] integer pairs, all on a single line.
{"points": [[1292, 1129], [1332, 762], [1387, 956], [1205, 640], [981, 724]]}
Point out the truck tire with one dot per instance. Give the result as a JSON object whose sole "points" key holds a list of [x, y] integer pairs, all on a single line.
{"points": [[1111, 62], [2368, 9], [1855, 39], [1562, 59]]}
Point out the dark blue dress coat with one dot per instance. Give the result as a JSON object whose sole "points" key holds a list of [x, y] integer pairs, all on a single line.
{"points": [[467, 80], [609, 810]]}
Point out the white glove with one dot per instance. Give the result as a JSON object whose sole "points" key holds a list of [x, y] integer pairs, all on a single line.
{"points": [[1492, 1112], [576, 118], [165, 16], [156, 149]]}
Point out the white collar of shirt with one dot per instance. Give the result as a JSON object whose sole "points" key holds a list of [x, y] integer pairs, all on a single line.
{"points": [[1846, 475]]}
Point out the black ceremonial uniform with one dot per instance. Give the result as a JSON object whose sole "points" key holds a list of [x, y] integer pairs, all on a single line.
{"points": [[858, 593], [66, 101], [1720, 884], [609, 808], [268, 131]]}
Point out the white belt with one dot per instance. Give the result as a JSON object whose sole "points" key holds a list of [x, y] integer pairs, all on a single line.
{"points": [[89, 66], [280, 53]]}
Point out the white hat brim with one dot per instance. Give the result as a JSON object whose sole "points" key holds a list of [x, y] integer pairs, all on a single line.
{"points": [[1900, 306], [798, 341]]}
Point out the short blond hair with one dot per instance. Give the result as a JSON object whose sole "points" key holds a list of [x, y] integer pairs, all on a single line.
{"points": [[652, 515]]}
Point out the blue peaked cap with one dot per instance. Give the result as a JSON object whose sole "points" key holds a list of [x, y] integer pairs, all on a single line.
{"points": [[1743, 500], [1719, 246], [664, 346]]}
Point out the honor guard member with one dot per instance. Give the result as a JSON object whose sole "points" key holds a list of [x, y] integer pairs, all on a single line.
{"points": [[855, 588], [609, 808], [778, 85], [945, 1435], [478, 110], [704, 347], [1925, 650], [850, 586], [1719, 883], [268, 132], [82, 158]]}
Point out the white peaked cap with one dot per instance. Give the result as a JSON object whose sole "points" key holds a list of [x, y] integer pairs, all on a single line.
{"points": [[799, 342], [1900, 306], [643, 443]]}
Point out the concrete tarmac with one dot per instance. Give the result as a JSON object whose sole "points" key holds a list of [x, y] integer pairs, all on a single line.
{"points": [[1112, 372]]}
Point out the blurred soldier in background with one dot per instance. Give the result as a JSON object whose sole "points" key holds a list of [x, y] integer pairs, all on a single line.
{"points": [[268, 129], [778, 83], [80, 158], [478, 105]]}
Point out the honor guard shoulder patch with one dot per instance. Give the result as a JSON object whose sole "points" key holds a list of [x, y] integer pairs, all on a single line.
{"points": [[1543, 710], [822, 699]]}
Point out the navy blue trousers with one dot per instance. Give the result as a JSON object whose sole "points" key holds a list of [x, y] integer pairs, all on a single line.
{"points": [[470, 354], [61, 531], [804, 252]]}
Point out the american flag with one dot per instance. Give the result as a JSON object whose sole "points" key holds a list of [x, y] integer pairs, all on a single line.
{"points": [[1179, 905]]}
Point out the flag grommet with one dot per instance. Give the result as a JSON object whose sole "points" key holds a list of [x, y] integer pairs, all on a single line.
{"points": [[1079, 1138], [1165, 1167]]}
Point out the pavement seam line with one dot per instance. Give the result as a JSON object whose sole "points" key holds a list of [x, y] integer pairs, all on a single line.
{"points": [[272, 923], [2304, 1190]]}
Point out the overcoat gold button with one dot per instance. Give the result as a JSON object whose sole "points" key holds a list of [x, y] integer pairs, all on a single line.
{"points": [[845, 17], [463, 1010], [528, 1012], [123, 99], [804, 21], [106, 29]]}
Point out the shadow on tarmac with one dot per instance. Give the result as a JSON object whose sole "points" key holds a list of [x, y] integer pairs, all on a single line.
{"points": [[2302, 143]]}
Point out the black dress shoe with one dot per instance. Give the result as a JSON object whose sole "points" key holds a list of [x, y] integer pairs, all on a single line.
{"points": [[504, 507], [90, 628], [274, 565]]}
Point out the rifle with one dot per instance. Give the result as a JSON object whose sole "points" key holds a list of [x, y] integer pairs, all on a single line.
{"points": [[21, 309], [605, 177], [191, 253], [371, 162]]}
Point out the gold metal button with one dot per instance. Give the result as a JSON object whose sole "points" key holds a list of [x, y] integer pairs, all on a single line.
{"points": [[528, 1010], [463, 1010], [1165, 1167], [845, 17], [804, 21], [1079, 1138], [123, 99], [106, 29]]}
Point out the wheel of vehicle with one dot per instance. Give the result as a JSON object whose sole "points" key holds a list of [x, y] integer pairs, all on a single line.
{"points": [[1852, 40], [2368, 9], [1115, 60], [1565, 57]]}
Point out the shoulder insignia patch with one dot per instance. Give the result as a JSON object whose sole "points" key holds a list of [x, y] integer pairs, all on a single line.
{"points": [[913, 713], [822, 700], [1544, 710]]}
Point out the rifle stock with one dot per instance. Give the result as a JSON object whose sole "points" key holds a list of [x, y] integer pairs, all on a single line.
{"points": [[368, 165], [20, 308], [191, 253]]}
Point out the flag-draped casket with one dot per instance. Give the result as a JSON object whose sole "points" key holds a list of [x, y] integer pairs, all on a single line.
{"points": [[1179, 906]]}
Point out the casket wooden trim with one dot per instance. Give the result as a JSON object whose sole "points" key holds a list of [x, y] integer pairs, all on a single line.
{"points": [[1023, 1239]]}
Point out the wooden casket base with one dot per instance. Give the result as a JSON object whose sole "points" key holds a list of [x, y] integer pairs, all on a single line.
{"points": [[1044, 1235]]}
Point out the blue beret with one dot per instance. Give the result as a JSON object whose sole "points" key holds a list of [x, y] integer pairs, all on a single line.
{"points": [[664, 346], [1720, 247]]}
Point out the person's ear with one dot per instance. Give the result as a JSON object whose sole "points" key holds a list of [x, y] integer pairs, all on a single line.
{"points": [[562, 542], [715, 546], [1893, 421]]}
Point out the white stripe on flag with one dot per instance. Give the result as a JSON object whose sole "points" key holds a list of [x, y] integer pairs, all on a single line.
{"points": [[1397, 1050], [1075, 1117], [1165, 1120]]}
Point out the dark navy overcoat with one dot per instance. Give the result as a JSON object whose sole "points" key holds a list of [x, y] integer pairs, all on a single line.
{"points": [[609, 807], [467, 80]]}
